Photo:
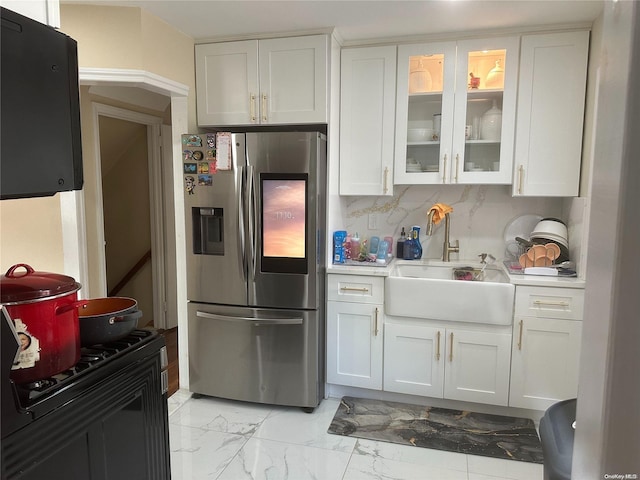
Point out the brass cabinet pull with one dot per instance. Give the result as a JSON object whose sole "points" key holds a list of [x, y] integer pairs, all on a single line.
{"points": [[457, 165], [385, 188], [520, 178], [376, 329], [438, 345], [354, 289], [539, 303], [264, 107], [444, 169], [252, 107], [520, 335], [451, 349]]}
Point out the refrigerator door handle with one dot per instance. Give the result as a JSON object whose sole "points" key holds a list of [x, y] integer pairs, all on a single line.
{"points": [[256, 321], [241, 237], [252, 219]]}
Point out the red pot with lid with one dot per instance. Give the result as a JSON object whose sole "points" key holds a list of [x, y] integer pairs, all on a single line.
{"points": [[43, 308]]}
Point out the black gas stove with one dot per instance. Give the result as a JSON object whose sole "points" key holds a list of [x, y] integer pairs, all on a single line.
{"points": [[108, 413]]}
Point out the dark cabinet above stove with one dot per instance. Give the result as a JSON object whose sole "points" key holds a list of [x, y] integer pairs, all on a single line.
{"points": [[41, 148]]}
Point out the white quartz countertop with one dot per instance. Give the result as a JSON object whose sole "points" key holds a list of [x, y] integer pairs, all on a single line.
{"points": [[515, 279]]}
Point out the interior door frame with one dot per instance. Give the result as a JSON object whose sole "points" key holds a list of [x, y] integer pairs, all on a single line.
{"points": [[154, 160], [73, 205]]}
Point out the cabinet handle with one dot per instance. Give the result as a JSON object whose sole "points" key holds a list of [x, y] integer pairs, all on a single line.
{"points": [[444, 169], [457, 165], [252, 107], [264, 107], [385, 187], [539, 303], [376, 330], [354, 289], [520, 178], [438, 345], [520, 336], [451, 348]]}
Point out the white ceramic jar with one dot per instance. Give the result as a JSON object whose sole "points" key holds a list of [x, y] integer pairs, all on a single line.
{"points": [[491, 126]]}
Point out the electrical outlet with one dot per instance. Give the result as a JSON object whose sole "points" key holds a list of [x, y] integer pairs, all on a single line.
{"points": [[373, 221]]}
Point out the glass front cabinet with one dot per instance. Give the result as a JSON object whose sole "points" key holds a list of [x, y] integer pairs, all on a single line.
{"points": [[455, 117]]}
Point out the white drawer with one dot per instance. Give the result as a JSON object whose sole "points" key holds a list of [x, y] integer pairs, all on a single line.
{"points": [[550, 302], [355, 288]]}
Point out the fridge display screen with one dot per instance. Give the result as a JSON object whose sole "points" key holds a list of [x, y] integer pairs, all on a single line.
{"points": [[284, 222]]}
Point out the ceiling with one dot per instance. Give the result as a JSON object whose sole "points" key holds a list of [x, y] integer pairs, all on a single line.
{"points": [[358, 21]]}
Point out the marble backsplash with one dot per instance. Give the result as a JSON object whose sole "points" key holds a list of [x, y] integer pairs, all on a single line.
{"points": [[480, 215]]}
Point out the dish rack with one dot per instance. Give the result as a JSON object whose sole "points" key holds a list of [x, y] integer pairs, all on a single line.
{"points": [[539, 255]]}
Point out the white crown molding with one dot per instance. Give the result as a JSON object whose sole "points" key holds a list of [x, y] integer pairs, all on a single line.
{"points": [[132, 78], [264, 36], [470, 34]]}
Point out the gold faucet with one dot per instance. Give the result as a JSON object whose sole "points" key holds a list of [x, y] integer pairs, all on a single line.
{"points": [[447, 248]]}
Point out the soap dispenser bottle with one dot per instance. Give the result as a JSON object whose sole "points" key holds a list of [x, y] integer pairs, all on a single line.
{"points": [[407, 252], [400, 245], [417, 246]]}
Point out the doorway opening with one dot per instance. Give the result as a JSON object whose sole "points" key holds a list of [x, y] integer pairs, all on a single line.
{"points": [[133, 225], [124, 160]]}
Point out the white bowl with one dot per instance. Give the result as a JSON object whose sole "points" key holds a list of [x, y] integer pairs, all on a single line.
{"points": [[419, 134], [550, 226]]}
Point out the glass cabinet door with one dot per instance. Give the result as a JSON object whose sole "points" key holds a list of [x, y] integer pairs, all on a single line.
{"points": [[424, 112], [485, 111], [455, 112]]}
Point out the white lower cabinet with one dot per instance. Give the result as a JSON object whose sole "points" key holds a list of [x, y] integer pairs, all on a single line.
{"points": [[414, 357], [447, 362], [545, 358], [354, 331], [532, 366]]}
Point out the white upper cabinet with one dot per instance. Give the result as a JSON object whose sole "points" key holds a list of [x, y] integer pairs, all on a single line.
{"points": [[455, 112], [274, 81], [367, 118], [551, 98], [44, 11]]}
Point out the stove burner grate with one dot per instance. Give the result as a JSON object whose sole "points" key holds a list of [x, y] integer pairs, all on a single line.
{"points": [[90, 358]]}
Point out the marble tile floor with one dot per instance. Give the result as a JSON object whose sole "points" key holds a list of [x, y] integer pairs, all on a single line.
{"points": [[217, 439]]}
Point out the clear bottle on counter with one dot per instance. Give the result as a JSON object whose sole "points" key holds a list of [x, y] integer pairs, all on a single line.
{"points": [[373, 245], [383, 250], [389, 241], [355, 247], [347, 247]]}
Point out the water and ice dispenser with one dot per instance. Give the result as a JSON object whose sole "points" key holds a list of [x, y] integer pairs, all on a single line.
{"points": [[208, 230]]}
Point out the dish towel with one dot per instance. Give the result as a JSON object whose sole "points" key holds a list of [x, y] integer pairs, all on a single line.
{"points": [[439, 211]]}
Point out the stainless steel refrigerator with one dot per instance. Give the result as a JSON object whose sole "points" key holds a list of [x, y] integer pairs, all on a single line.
{"points": [[255, 214]]}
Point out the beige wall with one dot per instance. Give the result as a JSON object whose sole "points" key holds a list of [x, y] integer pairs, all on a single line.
{"points": [[123, 38], [31, 232], [131, 38], [108, 37]]}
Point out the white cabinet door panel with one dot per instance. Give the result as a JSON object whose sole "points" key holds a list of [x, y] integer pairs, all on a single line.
{"points": [[545, 362], [477, 367], [551, 99], [414, 359], [293, 80], [226, 77], [367, 117], [354, 344]]}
